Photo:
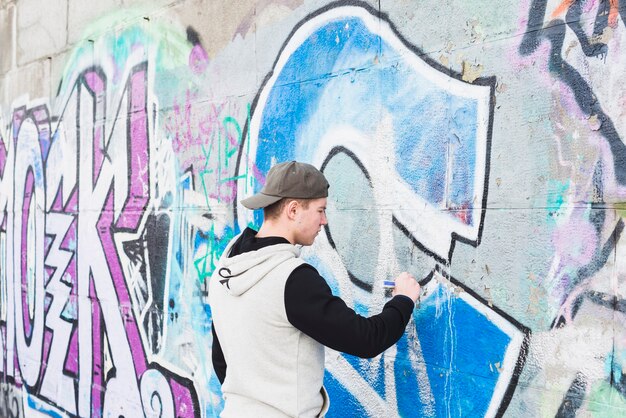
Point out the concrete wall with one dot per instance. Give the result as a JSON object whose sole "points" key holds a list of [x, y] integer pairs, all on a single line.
{"points": [[479, 145]]}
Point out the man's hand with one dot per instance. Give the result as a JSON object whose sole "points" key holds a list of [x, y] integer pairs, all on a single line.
{"points": [[407, 285]]}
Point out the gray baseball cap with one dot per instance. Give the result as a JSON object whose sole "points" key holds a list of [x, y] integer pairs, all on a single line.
{"points": [[289, 179]]}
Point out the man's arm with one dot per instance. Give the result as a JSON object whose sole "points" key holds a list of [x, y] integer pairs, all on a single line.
{"points": [[312, 308], [217, 357]]}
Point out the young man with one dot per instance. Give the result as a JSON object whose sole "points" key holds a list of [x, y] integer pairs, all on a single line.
{"points": [[273, 313]]}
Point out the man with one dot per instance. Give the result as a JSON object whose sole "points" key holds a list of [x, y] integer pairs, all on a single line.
{"points": [[273, 313]]}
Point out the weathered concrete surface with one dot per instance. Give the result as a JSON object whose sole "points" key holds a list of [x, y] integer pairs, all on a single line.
{"points": [[479, 145], [41, 29], [81, 13], [7, 21]]}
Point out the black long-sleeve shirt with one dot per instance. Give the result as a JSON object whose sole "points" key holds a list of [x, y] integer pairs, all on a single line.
{"points": [[313, 309]]}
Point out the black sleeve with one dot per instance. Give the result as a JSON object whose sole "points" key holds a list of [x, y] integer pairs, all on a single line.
{"points": [[217, 357], [312, 308]]}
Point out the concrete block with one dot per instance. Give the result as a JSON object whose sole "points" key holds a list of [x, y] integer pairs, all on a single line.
{"points": [[452, 23], [7, 34], [41, 29], [216, 22], [273, 26], [216, 26], [81, 14], [32, 80]]}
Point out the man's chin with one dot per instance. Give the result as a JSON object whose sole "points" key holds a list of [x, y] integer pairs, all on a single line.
{"points": [[308, 243]]}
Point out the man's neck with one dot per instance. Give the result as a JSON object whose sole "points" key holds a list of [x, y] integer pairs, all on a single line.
{"points": [[275, 229]]}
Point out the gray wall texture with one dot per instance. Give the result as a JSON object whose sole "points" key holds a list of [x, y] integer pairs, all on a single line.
{"points": [[477, 144]]}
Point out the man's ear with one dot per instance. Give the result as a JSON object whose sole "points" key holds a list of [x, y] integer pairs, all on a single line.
{"points": [[291, 209]]}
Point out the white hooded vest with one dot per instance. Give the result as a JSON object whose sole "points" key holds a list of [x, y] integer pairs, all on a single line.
{"points": [[273, 369]]}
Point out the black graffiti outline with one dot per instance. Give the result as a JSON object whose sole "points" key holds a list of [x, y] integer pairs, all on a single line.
{"points": [[554, 33], [601, 22], [599, 260], [332, 153], [573, 399], [157, 228]]}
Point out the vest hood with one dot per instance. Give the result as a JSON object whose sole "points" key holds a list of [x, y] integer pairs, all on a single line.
{"points": [[241, 272]]}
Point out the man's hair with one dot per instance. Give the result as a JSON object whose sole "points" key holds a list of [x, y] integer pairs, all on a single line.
{"points": [[273, 211]]}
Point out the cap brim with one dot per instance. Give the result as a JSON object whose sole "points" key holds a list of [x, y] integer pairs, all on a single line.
{"points": [[259, 201]]}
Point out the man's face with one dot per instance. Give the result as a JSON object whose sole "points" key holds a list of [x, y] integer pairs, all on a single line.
{"points": [[310, 220]]}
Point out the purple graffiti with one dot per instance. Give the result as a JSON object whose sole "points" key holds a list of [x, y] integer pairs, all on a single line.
{"points": [[29, 190], [3, 156], [198, 59], [72, 336]]}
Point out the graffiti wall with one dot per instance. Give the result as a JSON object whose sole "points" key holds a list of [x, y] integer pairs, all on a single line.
{"points": [[477, 145]]}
